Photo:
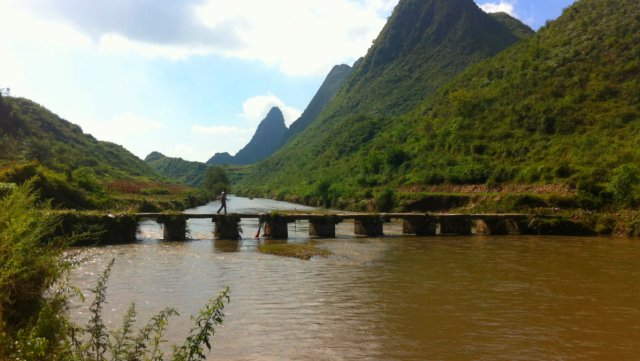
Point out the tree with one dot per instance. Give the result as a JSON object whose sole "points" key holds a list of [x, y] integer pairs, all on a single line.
{"points": [[216, 181]]}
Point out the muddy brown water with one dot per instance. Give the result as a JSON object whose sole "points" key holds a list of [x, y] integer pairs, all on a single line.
{"points": [[389, 298]]}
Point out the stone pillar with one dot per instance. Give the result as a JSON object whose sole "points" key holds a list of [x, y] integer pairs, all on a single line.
{"points": [[371, 226], [174, 227], [322, 227], [275, 227], [497, 226], [423, 226], [512, 226], [226, 226], [455, 224]]}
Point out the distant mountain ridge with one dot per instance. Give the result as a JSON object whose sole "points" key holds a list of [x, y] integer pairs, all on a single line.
{"points": [[266, 140]]}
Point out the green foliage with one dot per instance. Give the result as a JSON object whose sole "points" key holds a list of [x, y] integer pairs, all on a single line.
{"points": [[34, 299], [211, 315], [73, 169], [178, 169], [561, 107], [36, 134], [386, 200], [30, 254], [625, 185], [358, 140], [96, 343]]}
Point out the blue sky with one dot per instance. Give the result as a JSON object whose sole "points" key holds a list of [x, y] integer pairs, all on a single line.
{"points": [[190, 78]]}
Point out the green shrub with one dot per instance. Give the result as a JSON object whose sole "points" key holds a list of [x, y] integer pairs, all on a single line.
{"points": [[625, 184], [31, 264], [34, 299], [386, 200]]}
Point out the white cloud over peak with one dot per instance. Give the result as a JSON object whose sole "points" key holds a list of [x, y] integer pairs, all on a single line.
{"points": [[322, 33], [497, 7], [255, 109]]}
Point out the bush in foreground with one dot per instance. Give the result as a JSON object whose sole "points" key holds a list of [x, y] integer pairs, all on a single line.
{"points": [[34, 299]]}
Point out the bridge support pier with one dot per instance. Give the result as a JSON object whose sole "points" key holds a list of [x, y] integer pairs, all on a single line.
{"points": [[497, 226], [323, 227], [371, 227], [226, 226], [423, 226], [174, 227], [455, 224], [275, 227]]}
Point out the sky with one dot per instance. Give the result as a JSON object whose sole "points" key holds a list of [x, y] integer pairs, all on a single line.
{"points": [[190, 78]]}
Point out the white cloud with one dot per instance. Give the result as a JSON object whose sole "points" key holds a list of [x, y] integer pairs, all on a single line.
{"points": [[20, 26], [255, 109], [497, 7], [118, 44], [20, 29], [301, 38]]}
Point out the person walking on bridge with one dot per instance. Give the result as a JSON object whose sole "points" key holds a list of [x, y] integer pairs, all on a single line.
{"points": [[223, 201]]}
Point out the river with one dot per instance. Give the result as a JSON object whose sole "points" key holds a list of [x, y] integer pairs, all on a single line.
{"points": [[389, 298]]}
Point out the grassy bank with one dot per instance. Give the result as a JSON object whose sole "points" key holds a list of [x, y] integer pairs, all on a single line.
{"points": [[296, 250]]}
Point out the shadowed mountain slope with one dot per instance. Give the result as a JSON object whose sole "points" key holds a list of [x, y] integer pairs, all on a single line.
{"points": [[266, 140], [332, 83]]}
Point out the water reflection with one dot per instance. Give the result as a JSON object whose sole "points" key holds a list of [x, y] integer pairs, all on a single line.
{"points": [[225, 245], [388, 298]]}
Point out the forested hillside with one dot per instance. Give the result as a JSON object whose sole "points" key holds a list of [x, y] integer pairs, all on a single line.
{"points": [[561, 107], [30, 132], [424, 45], [178, 169], [73, 169]]}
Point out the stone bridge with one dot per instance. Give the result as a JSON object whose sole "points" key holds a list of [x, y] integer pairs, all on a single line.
{"points": [[274, 225]]}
